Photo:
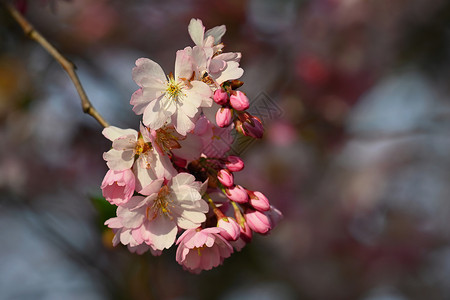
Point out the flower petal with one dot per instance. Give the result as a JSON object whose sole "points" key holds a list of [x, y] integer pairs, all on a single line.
{"points": [[162, 232], [119, 160], [158, 112], [113, 132], [196, 31], [146, 69], [217, 33], [183, 64]]}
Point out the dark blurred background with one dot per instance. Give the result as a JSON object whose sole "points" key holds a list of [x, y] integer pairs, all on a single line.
{"points": [[356, 156]]}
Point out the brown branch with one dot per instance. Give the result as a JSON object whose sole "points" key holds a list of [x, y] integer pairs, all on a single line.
{"points": [[68, 66]]}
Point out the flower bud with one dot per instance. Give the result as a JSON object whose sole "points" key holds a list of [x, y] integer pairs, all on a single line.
{"points": [[231, 231], [118, 186], [225, 177], [235, 84], [258, 201], [237, 194], [220, 97], [224, 116], [234, 163], [239, 101], [258, 221], [251, 127]]}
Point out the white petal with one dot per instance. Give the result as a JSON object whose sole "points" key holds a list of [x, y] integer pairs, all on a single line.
{"points": [[143, 175], [124, 143], [190, 219], [196, 31], [145, 69], [217, 65], [231, 72], [186, 193], [183, 124], [217, 33], [119, 160], [113, 132], [162, 232], [163, 166], [152, 188], [199, 58], [183, 64], [188, 109], [158, 112], [230, 56], [199, 95], [130, 219], [135, 202], [139, 102], [182, 179]]}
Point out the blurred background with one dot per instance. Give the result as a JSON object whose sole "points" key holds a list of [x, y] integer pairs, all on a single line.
{"points": [[356, 155]]}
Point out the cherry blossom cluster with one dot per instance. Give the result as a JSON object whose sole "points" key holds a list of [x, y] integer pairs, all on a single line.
{"points": [[173, 177]]}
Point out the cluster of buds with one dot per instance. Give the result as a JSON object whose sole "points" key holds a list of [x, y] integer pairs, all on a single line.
{"points": [[172, 181], [234, 105]]}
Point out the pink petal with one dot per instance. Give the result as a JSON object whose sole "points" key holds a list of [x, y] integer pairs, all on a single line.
{"points": [[162, 232], [145, 69], [183, 64]]}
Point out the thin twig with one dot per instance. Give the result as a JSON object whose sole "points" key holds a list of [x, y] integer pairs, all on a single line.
{"points": [[68, 66]]}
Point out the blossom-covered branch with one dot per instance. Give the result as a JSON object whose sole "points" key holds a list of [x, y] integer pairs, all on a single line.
{"points": [[173, 177], [68, 66]]}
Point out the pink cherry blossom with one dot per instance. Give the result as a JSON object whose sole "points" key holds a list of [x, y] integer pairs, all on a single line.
{"points": [[172, 100], [211, 37], [207, 59], [118, 186], [129, 144], [202, 249], [154, 219]]}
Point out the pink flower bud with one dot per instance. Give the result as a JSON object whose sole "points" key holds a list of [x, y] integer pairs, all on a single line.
{"points": [[231, 231], [220, 97], [224, 116], [251, 127], [234, 163], [259, 201], [225, 177], [239, 101], [118, 186], [258, 221], [237, 194]]}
